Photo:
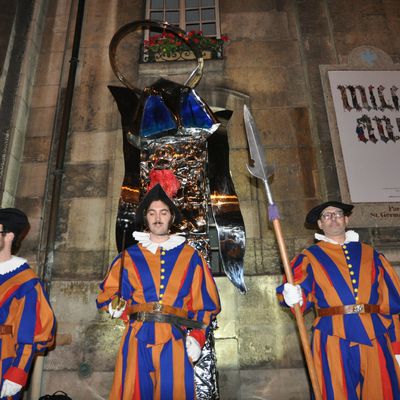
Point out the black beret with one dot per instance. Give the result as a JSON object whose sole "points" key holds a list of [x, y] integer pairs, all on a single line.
{"points": [[314, 214], [13, 220], [154, 194]]}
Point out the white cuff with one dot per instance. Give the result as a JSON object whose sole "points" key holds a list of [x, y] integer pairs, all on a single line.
{"points": [[193, 348], [10, 388]]}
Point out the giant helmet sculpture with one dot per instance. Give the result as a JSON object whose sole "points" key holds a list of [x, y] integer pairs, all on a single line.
{"points": [[168, 126]]}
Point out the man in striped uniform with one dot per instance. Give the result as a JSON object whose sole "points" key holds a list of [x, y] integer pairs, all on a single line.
{"points": [[356, 294], [168, 288], [27, 322]]}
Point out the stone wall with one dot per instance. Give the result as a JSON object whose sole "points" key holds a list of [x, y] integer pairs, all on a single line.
{"points": [[272, 65]]}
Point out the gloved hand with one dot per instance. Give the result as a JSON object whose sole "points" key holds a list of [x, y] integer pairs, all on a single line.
{"points": [[398, 358], [292, 294], [10, 388], [193, 348], [116, 307]]}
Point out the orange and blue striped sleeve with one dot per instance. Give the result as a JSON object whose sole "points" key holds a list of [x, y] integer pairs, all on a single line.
{"points": [[204, 302], [302, 275], [389, 290], [33, 322]]}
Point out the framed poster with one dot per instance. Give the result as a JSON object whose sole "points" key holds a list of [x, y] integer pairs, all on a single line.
{"points": [[367, 112], [363, 109]]}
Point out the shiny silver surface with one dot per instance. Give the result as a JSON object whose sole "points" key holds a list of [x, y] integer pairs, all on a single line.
{"points": [[259, 169]]}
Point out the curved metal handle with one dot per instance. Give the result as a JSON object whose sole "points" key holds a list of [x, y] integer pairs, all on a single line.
{"points": [[194, 77]]}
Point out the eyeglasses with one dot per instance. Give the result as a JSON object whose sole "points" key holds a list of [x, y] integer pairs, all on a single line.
{"points": [[329, 215], [3, 233]]}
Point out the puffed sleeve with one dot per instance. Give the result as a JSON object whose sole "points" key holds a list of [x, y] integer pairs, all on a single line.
{"points": [[303, 276], [33, 322], [205, 303], [389, 289]]}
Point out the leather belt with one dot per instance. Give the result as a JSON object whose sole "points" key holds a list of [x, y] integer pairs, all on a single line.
{"points": [[5, 329], [170, 319], [156, 308], [349, 309]]}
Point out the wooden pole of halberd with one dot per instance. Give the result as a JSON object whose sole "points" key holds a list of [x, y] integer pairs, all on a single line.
{"points": [[297, 312]]}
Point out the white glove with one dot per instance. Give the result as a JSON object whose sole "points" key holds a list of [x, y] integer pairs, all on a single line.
{"points": [[398, 358], [292, 294], [193, 348], [117, 310], [9, 388]]}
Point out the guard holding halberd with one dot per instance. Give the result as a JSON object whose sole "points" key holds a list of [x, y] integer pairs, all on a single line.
{"points": [[356, 293]]}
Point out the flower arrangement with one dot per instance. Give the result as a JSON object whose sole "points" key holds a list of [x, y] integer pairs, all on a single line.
{"points": [[167, 44]]}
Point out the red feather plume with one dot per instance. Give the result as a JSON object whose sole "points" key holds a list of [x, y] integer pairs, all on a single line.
{"points": [[167, 179]]}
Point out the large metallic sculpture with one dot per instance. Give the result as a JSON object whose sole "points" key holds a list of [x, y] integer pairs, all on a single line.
{"points": [[168, 126]]}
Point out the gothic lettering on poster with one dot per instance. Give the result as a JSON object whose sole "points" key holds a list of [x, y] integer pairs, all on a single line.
{"points": [[367, 110]]}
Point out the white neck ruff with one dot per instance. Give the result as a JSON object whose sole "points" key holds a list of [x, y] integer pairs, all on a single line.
{"points": [[144, 239], [351, 236], [12, 264]]}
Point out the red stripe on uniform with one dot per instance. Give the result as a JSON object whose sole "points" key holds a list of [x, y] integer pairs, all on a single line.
{"points": [[343, 377], [9, 294], [38, 325], [136, 391], [385, 378]]}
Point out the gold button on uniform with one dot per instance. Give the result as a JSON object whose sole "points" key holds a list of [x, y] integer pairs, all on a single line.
{"points": [[162, 262], [163, 253], [162, 277], [162, 269], [354, 281], [162, 286], [349, 265], [161, 294], [351, 272]]}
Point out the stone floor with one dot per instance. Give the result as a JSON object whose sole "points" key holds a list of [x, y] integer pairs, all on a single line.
{"points": [[252, 384], [264, 384]]}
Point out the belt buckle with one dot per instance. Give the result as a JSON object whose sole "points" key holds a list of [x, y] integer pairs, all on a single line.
{"points": [[141, 316], [157, 307], [358, 308]]}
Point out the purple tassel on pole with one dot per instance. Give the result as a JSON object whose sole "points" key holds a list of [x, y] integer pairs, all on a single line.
{"points": [[273, 212]]}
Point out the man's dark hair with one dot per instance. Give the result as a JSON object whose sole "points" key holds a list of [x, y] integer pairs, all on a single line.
{"points": [[14, 221]]}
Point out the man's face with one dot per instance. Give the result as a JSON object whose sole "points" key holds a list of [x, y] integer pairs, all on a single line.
{"points": [[333, 222], [159, 218], [4, 238]]}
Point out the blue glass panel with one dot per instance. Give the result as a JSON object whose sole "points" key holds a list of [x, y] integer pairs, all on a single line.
{"points": [[192, 3], [156, 4], [192, 15], [193, 113], [171, 4], [156, 117], [172, 17]]}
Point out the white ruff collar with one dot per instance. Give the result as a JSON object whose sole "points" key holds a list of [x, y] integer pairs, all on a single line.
{"points": [[351, 236], [11, 264], [144, 239]]}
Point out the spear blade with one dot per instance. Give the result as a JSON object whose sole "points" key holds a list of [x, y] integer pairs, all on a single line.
{"points": [[260, 169]]}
